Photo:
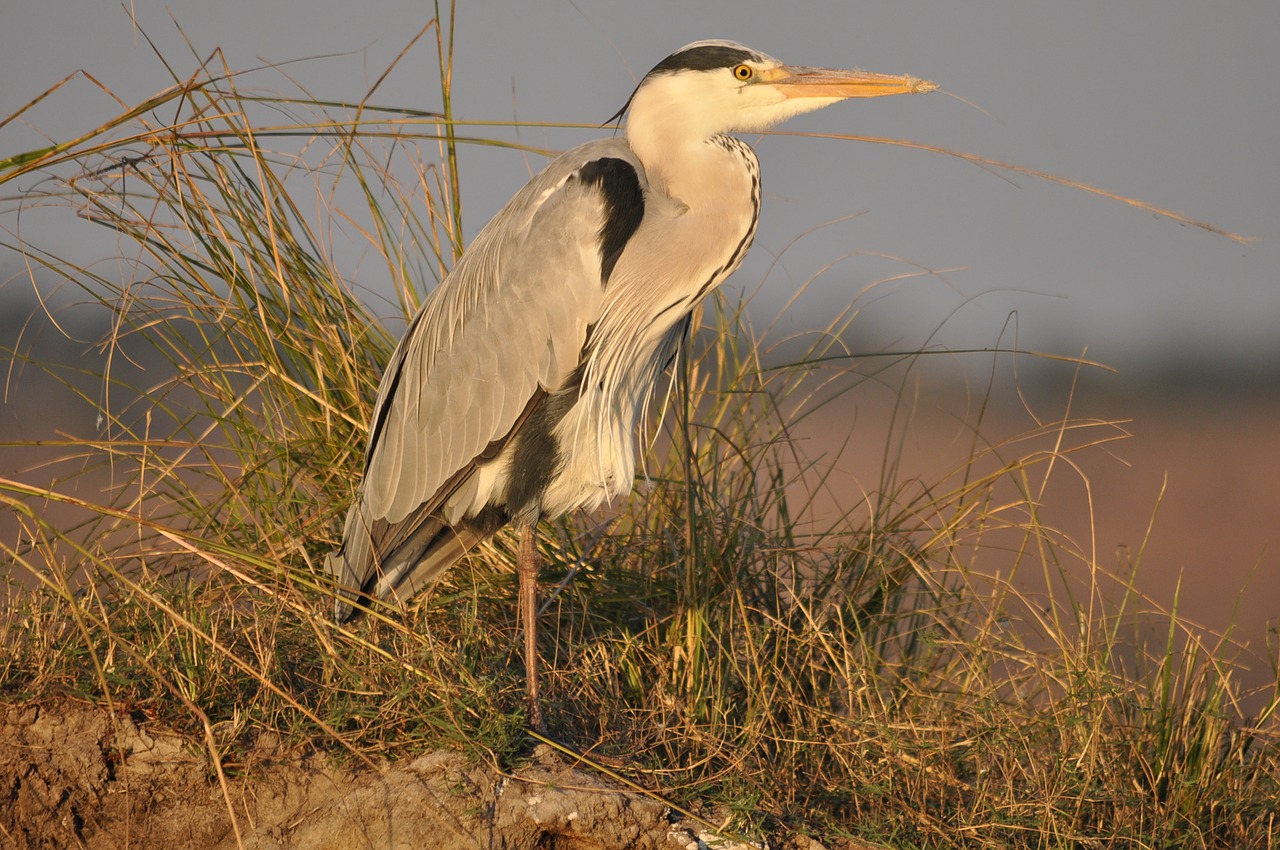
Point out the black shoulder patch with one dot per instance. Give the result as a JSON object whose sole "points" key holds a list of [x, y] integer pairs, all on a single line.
{"points": [[624, 206], [705, 57]]}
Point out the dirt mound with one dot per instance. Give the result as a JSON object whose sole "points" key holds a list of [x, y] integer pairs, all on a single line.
{"points": [[75, 776]]}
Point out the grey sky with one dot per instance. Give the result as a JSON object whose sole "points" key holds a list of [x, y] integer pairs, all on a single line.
{"points": [[1171, 101]]}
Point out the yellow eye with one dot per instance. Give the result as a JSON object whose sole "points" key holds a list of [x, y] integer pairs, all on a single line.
{"points": [[743, 72]]}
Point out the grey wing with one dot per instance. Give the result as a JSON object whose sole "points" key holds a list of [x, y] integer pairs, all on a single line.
{"points": [[505, 327]]}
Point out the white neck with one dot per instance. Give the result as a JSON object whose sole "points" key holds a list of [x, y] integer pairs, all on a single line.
{"points": [[673, 117]]}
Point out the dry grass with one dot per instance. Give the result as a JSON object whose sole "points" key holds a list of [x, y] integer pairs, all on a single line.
{"points": [[883, 677]]}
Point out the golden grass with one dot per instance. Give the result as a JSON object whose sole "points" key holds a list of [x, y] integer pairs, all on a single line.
{"points": [[885, 677]]}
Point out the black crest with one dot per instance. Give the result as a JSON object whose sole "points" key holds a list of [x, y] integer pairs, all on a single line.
{"points": [[699, 56], [706, 57]]}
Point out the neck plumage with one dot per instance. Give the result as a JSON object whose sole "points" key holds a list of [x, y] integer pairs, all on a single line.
{"points": [[675, 142]]}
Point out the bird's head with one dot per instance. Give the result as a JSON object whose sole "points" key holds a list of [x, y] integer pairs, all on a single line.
{"points": [[712, 87]]}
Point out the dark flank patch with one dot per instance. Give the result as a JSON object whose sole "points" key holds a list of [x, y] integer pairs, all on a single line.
{"points": [[537, 456], [705, 57], [489, 520], [624, 207], [495, 447]]}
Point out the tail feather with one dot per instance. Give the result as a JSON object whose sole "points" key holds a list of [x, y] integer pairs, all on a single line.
{"points": [[417, 561]]}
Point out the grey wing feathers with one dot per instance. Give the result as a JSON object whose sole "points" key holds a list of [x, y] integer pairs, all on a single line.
{"points": [[509, 322]]}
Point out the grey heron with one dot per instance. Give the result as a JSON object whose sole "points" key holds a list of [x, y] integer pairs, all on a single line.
{"points": [[515, 393]]}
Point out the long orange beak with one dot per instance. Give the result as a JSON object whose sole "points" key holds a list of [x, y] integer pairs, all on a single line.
{"points": [[796, 81]]}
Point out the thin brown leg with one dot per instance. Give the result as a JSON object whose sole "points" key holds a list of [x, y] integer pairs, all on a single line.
{"points": [[527, 564]]}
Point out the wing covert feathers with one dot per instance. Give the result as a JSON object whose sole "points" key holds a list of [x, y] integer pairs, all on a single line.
{"points": [[506, 327]]}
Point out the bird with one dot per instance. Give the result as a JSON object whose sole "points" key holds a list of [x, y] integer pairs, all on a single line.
{"points": [[515, 393]]}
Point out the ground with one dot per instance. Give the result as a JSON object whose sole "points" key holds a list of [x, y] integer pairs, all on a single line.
{"points": [[73, 775]]}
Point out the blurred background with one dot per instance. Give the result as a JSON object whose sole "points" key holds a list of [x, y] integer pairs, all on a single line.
{"points": [[1167, 101]]}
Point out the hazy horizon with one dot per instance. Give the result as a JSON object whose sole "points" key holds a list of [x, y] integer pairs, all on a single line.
{"points": [[1160, 101]]}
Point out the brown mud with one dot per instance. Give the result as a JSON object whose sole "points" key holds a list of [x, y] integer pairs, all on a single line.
{"points": [[76, 776]]}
